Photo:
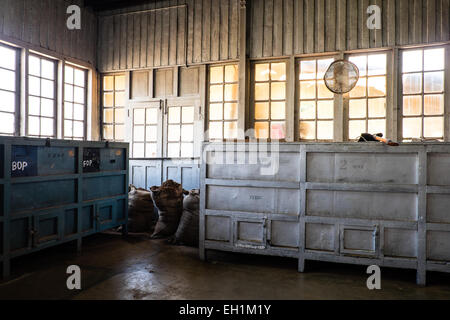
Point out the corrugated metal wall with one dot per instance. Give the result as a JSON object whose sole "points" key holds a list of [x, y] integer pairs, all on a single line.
{"points": [[160, 37], [42, 24], [286, 27]]}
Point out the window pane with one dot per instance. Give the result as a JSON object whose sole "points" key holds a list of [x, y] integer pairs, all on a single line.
{"points": [[34, 106], [174, 115], [216, 75], [7, 80], [187, 150], [356, 127], [120, 99], [138, 133], [68, 128], [79, 77], [322, 67], [323, 92], [230, 130], [151, 150], [434, 127], [68, 92], [119, 115], [262, 72], [231, 92], [33, 125], [230, 111], [151, 133], [377, 126], [360, 89], [139, 116], [7, 101], [68, 74], [377, 86], [108, 132], [277, 130], [47, 107], [108, 115], [216, 93], [377, 108], [120, 83], [231, 73], [108, 83], [215, 111], [307, 130], [187, 115], [434, 82], [48, 69], [412, 127], [108, 99], [361, 63], [47, 88], [357, 108], [262, 111], [78, 129], [278, 71], [434, 105], [262, 130], [215, 130], [377, 64], [434, 59], [412, 105], [138, 150], [173, 150], [412, 83], [325, 130], [79, 95], [307, 89], [278, 110], [187, 133], [307, 110], [307, 69], [46, 127], [34, 85], [34, 66], [152, 116], [261, 91], [119, 132], [278, 91], [7, 123], [325, 109], [7, 58], [173, 133], [412, 61]]}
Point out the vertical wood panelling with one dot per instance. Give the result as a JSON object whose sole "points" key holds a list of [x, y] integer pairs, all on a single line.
{"points": [[319, 40], [173, 34], [352, 24], [151, 37], [181, 22], [165, 36], [224, 24], [206, 40], [330, 25], [268, 28], [277, 28], [341, 30], [234, 29], [144, 39], [288, 27], [257, 29], [215, 29], [198, 31], [309, 25], [136, 40]]}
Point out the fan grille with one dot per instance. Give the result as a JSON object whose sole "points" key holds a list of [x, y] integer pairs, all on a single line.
{"points": [[341, 77]]}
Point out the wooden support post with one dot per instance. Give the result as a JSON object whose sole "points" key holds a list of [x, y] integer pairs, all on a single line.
{"points": [[243, 71]]}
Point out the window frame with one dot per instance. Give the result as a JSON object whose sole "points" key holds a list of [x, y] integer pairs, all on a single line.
{"points": [[252, 101], [113, 107], [422, 94], [85, 105], [223, 101], [17, 91], [56, 83]]}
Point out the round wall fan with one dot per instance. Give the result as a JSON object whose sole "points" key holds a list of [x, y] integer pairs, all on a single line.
{"points": [[341, 77]]}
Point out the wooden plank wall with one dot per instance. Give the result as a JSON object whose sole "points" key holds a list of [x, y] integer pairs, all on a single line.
{"points": [[159, 38], [42, 25], [290, 27]]}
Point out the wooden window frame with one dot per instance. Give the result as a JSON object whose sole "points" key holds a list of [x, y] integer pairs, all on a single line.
{"points": [[113, 107]]}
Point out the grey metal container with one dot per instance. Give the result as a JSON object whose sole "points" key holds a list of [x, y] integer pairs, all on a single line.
{"points": [[350, 203], [54, 191]]}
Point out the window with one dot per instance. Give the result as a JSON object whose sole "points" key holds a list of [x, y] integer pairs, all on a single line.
{"points": [[270, 100], [74, 102], [180, 131], [41, 97], [423, 93], [367, 101], [316, 101], [145, 132], [223, 102], [8, 90], [114, 107]]}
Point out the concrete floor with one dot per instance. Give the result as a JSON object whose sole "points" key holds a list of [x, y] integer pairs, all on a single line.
{"points": [[139, 268]]}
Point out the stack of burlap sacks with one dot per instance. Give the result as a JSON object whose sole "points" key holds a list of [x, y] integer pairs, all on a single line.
{"points": [[178, 214]]}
